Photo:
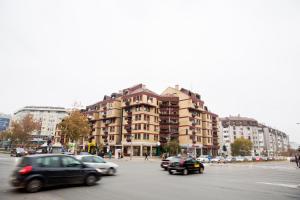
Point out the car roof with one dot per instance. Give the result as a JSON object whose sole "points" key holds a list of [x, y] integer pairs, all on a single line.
{"points": [[80, 156], [44, 155]]}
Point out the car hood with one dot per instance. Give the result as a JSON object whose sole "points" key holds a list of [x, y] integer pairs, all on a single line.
{"points": [[112, 164]]}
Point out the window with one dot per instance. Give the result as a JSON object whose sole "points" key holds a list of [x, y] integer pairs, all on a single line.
{"points": [[51, 162], [137, 136], [146, 136], [70, 162], [186, 131], [111, 137], [98, 159], [155, 137], [88, 159]]}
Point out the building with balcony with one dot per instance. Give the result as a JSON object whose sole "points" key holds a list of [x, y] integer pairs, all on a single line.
{"points": [[195, 123], [137, 120]]}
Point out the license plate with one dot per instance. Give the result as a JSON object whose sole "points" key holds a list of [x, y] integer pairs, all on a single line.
{"points": [[197, 165]]}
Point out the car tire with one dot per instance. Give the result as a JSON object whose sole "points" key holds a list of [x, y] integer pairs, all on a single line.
{"points": [[34, 185], [171, 172], [111, 171], [90, 180], [185, 172]]}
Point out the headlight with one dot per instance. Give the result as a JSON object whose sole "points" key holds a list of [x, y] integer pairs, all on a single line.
{"points": [[99, 170]]}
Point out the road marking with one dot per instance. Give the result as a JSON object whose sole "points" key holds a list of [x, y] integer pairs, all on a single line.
{"points": [[281, 184]]}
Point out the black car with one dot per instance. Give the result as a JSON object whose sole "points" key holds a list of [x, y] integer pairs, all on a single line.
{"points": [[37, 171], [185, 166]]}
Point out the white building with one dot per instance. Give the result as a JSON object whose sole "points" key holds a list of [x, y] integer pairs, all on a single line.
{"points": [[266, 140], [48, 116], [233, 128]]}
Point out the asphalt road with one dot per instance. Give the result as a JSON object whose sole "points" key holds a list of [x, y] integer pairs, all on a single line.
{"points": [[139, 179]]}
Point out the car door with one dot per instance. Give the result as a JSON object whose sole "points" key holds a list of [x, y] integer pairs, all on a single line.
{"points": [[88, 160], [50, 167], [100, 163], [73, 170], [189, 164]]}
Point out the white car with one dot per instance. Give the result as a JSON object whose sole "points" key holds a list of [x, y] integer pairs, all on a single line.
{"points": [[218, 159], [240, 159], [203, 158], [97, 162]]}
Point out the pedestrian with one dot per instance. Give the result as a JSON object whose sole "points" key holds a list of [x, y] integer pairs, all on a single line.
{"points": [[109, 154], [146, 156], [296, 160]]}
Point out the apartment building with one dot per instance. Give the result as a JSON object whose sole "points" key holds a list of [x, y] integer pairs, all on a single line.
{"points": [[195, 123], [266, 141], [137, 120]]}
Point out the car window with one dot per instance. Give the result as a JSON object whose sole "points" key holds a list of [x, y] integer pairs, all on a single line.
{"points": [[24, 162], [98, 159], [87, 159], [51, 162], [70, 162]]}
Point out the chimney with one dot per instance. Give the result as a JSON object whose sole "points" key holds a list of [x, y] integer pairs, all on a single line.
{"points": [[177, 87]]}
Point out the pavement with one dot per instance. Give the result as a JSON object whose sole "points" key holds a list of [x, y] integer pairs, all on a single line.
{"points": [[139, 179]]}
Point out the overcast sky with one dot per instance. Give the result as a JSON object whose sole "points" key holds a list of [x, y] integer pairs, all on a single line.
{"points": [[242, 57]]}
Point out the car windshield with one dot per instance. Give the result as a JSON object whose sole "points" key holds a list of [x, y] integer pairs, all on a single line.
{"points": [[98, 159]]}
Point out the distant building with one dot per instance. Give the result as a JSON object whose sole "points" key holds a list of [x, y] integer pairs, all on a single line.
{"points": [[4, 122], [266, 141], [48, 116]]}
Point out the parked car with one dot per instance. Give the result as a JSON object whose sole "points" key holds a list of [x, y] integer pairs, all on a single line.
{"points": [[218, 159], [258, 158], [291, 159], [185, 166], [240, 159], [248, 158], [230, 159], [37, 171], [203, 159], [18, 152], [98, 162], [264, 158], [31, 151], [270, 158], [165, 162]]}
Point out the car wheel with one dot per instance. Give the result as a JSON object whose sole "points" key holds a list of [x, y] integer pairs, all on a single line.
{"points": [[34, 185], [90, 180], [170, 172], [185, 172], [201, 170], [111, 171]]}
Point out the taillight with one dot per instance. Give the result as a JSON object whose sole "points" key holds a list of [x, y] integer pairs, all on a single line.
{"points": [[25, 170]]}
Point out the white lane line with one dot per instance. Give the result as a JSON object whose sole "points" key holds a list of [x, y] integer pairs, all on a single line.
{"points": [[281, 184]]}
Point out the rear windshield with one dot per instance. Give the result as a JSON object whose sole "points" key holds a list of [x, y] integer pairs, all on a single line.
{"points": [[24, 162], [175, 159]]}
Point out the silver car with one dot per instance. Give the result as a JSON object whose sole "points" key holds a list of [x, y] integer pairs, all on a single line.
{"points": [[97, 162]]}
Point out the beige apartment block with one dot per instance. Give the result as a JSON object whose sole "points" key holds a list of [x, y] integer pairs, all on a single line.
{"points": [[195, 122], [136, 121]]}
